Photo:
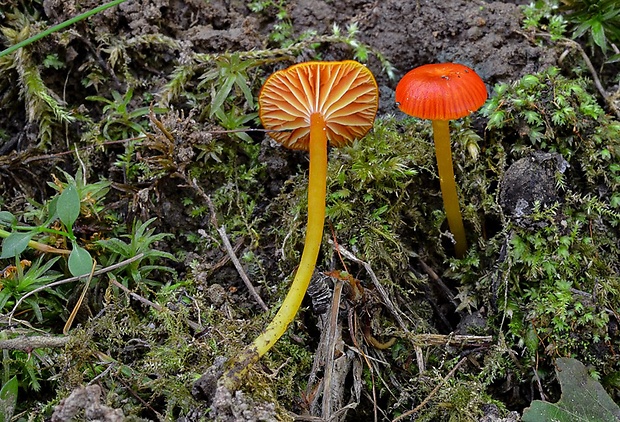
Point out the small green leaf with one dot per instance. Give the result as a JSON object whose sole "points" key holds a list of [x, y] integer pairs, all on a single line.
{"points": [[496, 120], [68, 206], [80, 261], [15, 244], [242, 83], [530, 81], [8, 399], [613, 59], [531, 339], [598, 35], [7, 218], [222, 95]]}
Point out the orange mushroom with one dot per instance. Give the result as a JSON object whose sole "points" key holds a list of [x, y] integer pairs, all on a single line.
{"points": [[443, 92], [307, 105]]}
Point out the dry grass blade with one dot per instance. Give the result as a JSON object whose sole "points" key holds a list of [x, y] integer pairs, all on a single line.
{"points": [[78, 305]]}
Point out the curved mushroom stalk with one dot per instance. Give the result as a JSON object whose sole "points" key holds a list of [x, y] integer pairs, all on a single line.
{"points": [[443, 92], [309, 103], [317, 186]]}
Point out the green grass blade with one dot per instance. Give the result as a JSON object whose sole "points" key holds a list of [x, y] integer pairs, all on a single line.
{"points": [[60, 26]]}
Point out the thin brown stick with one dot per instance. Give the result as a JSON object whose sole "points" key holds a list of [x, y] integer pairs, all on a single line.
{"points": [[419, 357], [382, 292], [330, 346], [194, 325], [595, 78], [438, 281], [233, 257], [541, 391], [146, 404], [213, 217], [609, 99], [229, 249], [59, 154], [450, 340], [353, 330], [136, 296], [432, 393], [27, 343]]}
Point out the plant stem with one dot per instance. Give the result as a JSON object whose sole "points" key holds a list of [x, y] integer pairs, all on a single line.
{"points": [[441, 133], [60, 26], [314, 234], [39, 246]]}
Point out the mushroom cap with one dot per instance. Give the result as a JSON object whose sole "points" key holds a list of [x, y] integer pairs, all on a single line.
{"points": [[443, 91], [345, 93]]}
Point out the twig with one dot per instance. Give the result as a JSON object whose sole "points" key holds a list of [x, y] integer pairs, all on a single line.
{"points": [[27, 343], [417, 339], [595, 78], [136, 296], [78, 305], [419, 357], [432, 274], [353, 330], [72, 151], [213, 216], [597, 82], [229, 249], [194, 325], [72, 279], [146, 404], [330, 346], [539, 384], [451, 340], [432, 393], [375, 281]]}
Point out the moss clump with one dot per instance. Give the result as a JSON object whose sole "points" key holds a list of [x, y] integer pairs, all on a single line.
{"points": [[551, 112], [554, 281]]}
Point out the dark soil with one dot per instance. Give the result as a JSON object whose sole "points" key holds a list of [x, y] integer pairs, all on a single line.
{"points": [[485, 36]]}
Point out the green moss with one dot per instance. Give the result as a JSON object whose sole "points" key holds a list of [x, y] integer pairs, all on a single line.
{"points": [[552, 112], [545, 288], [554, 280]]}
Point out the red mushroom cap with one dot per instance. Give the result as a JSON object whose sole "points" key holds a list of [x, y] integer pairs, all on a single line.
{"points": [[345, 93], [443, 91]]}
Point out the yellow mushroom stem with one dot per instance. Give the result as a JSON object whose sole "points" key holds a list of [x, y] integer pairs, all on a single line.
{"points": [[441, 134], [314, 234]]}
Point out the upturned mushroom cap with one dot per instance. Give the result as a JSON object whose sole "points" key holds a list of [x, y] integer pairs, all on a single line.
{"points": [[344, 93], [443, 91]]}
